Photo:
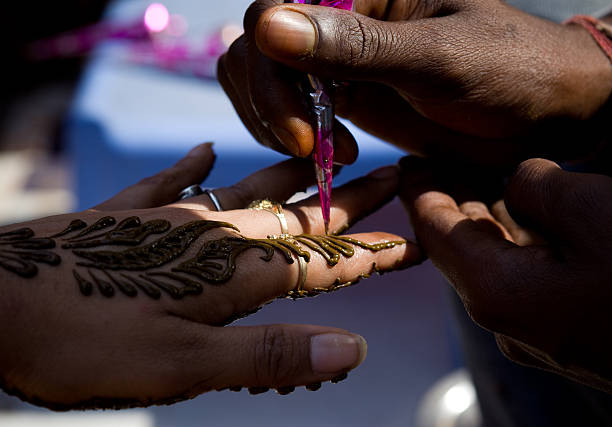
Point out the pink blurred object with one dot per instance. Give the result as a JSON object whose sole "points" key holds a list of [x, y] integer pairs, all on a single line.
{"points": [[179, 56], [82, 41], [155, 40], [323, 111]]}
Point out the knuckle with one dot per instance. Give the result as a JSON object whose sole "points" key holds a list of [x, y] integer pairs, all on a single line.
{"points": [[242, 193], [277, 357], [367, 41]]}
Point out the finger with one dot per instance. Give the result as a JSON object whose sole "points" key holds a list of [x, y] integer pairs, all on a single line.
{"points": [[350, 203], [164, 187], [347, 45], [478, 212], [520, 235], [561, 205], [274, 356], [276, 183], [485, 268], [331, 263], [232, 70], [287, 130], [270, 85]]}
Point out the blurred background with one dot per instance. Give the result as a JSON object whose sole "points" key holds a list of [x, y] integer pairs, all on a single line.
{"points": [[89, 108]]}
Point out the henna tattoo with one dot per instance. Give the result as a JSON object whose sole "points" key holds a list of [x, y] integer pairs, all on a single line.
{"points": [[128, 271], [155, 254], [129, 232], [20, 250], [75, 225]]}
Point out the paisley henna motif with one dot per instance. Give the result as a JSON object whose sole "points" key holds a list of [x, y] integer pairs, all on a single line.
{"points": [[20, 251], [133, 270]]}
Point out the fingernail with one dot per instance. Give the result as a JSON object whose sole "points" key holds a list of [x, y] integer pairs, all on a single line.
{"points": [[287, 139], [290, 34], [330, 353], [198, 150], [386, 172]]}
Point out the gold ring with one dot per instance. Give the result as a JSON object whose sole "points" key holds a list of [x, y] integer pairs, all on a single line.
{"points": [[299, 291], [303, 265], [272, 207]]}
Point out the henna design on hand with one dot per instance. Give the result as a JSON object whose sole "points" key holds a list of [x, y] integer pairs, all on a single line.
{"points": [[131, 270], [20, 250]]}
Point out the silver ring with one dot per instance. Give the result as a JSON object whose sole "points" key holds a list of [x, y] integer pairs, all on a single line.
{"points": [[213, 199], [191, 191], [196, 190]]}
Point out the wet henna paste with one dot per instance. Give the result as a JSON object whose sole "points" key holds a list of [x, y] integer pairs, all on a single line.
{"points": [[109, 271]]}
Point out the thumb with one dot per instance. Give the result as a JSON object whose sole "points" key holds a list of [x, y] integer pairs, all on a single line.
{"points": [[557, 203], [341, 44], [284, 356]]}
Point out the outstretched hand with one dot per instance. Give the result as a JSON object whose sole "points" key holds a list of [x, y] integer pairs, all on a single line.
{"points": [[534, 270], [125, 307], [473, 78]]}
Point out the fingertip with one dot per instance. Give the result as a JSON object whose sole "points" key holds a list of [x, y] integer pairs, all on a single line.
{"points": [[283, 32], [205, 149], [296, 136], [336, 352]]}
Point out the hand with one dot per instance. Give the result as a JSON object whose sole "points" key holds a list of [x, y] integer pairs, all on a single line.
{"points": [[125, 307], [471, 78], [542, 286]]}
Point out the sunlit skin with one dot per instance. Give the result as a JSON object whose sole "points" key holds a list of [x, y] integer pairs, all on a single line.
{"points": [[88, 332]]}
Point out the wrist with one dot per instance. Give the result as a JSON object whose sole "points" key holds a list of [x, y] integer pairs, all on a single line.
{"points": [[586, 80]]}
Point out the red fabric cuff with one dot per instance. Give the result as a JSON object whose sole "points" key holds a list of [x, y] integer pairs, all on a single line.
{"points": [[600, 31]]}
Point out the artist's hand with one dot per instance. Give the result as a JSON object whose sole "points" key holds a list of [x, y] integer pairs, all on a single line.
{"points": [[475, 78], [543, 287], [130, 313]]}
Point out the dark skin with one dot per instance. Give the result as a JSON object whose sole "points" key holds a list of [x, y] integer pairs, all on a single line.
{"points": [[475, 80], [471, 78], [130, 312], [534, 270]]}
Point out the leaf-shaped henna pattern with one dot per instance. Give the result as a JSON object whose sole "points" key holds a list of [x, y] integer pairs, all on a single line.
{"points": [[332, 247], [155, 254], [20, 250], [216, 261], [101, 224], [75, 225], [129, 232]]}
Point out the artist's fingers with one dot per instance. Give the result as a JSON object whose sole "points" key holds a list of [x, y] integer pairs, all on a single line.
{"points": [[520, 235], [478, 260], [233, 72], [268, 357], [563, 206], [478, 212], [277, 183], [350, 46], [164, 187], [350, 203], [257, 86]]}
